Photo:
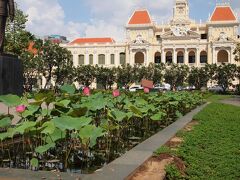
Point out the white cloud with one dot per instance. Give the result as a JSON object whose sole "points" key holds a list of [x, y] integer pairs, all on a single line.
{"points": [[47, 17]]}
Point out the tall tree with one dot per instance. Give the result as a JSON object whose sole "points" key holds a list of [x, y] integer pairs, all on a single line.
{"points": [[124, 75], [237, 53], [224, 76], [198, 77], [176, 75], [55, 63], [85, 74], [211, 71], [105, 76], [17, 37], [157, 75]]}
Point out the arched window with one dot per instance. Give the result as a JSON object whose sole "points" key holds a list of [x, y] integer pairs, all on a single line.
{"points": [[101, 59], [112, 59], [180, 57], [139, 58], [222, 56], [90, 59], [157, 58], [203, 57], [191, 57], [122, 58], [80, 59], [169, 57]]}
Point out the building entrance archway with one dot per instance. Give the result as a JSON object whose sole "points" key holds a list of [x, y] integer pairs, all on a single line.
{"points": [[180, 57], [222, 56], [203, 57], [191, 57], [169, 57], [139, 58], [157, 58]]}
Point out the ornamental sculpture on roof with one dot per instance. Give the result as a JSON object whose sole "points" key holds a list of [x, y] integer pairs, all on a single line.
{"points": [[223, 37], [139, 39], [180, 31]]}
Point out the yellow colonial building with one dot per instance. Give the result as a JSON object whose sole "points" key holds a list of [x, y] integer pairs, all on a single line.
{"points": [[181, 41]]}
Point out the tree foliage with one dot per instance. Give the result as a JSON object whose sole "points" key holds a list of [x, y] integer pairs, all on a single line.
{"points": [[224, 76], [85, 74], [55, 63], [198, 77], [237, 53], [105, 76], [175, 75], [17, 37]]}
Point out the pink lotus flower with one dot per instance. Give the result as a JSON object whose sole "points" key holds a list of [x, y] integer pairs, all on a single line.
{"points": [[86, 91], [20, 108], [116, 93], [146, 90]]}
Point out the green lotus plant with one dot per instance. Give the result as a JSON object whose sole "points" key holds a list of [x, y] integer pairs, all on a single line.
{"points": [[71, 128]]}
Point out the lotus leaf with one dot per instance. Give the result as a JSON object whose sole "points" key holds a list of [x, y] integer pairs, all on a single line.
{"points": [[70, 123], [118, 115], [89, 134], [5, 122], [25, 126], [45, 148], [10, 100], [34, 162], [70, 89], [49, 127], [55, 136], [158, 116]]}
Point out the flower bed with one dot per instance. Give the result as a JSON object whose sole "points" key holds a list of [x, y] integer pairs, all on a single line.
{"points": [[82, 132]]}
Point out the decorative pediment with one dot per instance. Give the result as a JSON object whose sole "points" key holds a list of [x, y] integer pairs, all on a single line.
{"points": [[139, 41], [180, 32], [223, 38]]}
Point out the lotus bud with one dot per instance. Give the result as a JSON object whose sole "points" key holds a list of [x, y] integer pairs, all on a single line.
{"points": [[146, 90], [116, 93], [20, 108], [86, 91]]}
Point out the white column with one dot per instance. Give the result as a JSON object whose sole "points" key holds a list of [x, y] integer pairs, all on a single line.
{"points": [[95, 58], [108, 59], [163, 58], [75, 60], [146, 58], [117, 59], [86, 61], [132, 60], [197, 57], [232, 60], [174, 56], [214, 56], [185, 56]]}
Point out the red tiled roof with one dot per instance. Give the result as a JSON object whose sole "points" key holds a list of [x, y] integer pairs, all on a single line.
{"points": [[140, 17], [92, 40], [223, 13]]}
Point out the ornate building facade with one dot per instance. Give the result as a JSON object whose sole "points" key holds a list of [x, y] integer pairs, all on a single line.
{"points": [[181, 41]]}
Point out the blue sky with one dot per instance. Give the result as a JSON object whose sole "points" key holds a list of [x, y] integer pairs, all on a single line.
{"points": [[98, 18]]}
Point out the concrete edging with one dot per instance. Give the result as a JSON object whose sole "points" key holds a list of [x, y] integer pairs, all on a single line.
{"points": [[122, 167]]}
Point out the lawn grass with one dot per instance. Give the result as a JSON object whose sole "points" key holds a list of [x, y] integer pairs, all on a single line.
{"points": [[216, 98], [212, 149]]}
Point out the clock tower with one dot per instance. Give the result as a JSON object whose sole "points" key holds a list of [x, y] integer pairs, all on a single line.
{"points": [[181, 12]]}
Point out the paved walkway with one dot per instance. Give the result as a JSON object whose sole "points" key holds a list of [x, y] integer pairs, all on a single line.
{"points": [[4, 110], [232, 101]]}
